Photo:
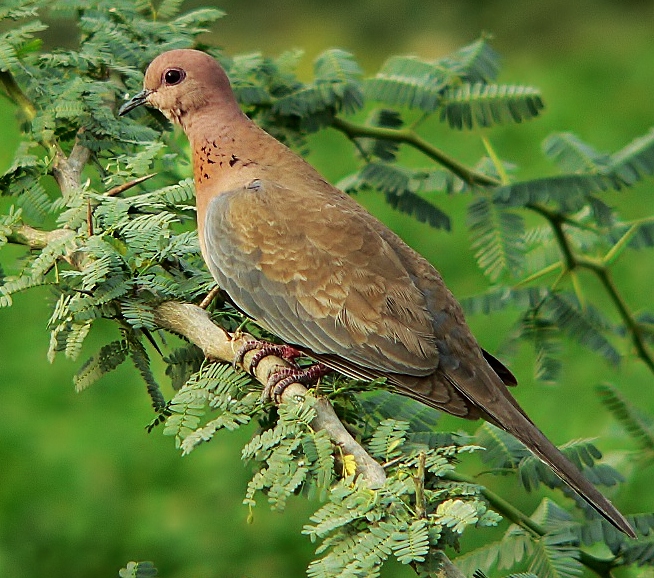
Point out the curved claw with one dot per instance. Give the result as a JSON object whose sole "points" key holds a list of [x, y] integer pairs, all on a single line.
{"points": [[281, 379], [285, 352]]}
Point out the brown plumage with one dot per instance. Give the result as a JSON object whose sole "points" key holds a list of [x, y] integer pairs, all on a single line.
{"points": [[312, 266]]}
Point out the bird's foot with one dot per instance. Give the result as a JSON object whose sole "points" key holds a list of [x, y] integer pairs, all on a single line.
{"points": [[281, 379], [286, 352]]}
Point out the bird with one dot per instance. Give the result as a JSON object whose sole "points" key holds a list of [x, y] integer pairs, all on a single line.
{"points": [[308, 263]]}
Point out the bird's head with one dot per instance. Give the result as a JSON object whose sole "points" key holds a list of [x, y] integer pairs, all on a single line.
{"points": [[179, 82]]}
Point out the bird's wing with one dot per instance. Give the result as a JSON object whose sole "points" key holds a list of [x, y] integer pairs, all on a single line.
{"points": [[310, 269]]}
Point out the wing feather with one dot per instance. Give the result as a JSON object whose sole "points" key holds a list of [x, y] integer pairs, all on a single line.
{"points": [[328, 282]]}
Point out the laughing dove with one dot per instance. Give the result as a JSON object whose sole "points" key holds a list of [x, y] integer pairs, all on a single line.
{"points": [[312, 266]]}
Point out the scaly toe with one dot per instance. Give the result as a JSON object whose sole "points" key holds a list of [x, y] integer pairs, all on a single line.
{"points": [[281, 379], [245, 348]]}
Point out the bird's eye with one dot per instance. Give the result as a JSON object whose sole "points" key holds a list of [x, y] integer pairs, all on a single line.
{"points": [[173, 76]]}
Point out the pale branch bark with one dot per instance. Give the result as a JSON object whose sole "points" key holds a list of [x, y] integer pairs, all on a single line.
{"points": [[194, 324], [67, 170]]}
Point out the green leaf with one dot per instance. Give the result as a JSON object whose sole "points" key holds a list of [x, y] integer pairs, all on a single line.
{"points": [[108, 358], [587, 326], [141, 361], [138, 570], [484, 105], [138, 313], [502, 298], [388, 439], [553, 557], [412, 545], [584, 455], [408, 81], [635, 161], [638, 425], [476, 562], [498, 238], [336, 66], [503, 451], [456, 514], [568, 191], [476, 62], [168, 8], [420, 208], [384, 149], [335, 88], [546, 338], [572, 155], [640, 553]]}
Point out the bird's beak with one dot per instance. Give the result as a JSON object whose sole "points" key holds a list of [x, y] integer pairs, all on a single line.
{"points": [[136, 100]]}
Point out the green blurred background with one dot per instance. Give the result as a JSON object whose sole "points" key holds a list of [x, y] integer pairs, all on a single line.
{"points": [[83, 487]]}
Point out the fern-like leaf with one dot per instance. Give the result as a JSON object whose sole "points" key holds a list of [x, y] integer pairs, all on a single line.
{"points": [[638, 425], [553, 557], [568, 191], [456, 514], [388, 438], [108, 358], [587, 325], [572, 155], [408, 81], [634, 161], [503, 451], [475, 63], [546, 339], [498, 238], [138, 570], [412, 545], [485, 105]]}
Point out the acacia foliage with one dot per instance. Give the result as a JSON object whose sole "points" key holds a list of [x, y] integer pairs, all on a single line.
{"points": [[113, 253]]}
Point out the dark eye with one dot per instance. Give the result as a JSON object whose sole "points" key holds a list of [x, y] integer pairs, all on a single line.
{"points": [[173, 76]]}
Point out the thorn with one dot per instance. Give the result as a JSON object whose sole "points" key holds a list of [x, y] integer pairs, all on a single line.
{"points": [[150, 338], [125, 186]]}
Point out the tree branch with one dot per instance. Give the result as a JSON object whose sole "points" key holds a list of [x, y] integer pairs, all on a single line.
{"points": [[67, 171], [194, 323], [410, 137]]}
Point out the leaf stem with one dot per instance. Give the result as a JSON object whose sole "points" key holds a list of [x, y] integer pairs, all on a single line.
{"points": [[16, 95], [497, 163], [410, 137], [600, 269]]}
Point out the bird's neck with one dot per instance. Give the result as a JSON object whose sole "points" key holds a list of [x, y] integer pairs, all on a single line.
{"points": [[229, 151]]}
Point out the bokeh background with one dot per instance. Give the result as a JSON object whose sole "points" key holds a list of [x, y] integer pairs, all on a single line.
{"points": [[83, 487]]}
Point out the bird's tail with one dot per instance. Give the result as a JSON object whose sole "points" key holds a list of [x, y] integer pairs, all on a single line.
{"points": [[515, 422]]}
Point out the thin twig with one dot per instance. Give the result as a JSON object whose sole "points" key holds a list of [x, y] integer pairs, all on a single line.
{"points": [[410, 137], [16, 95], [209, 297], [600, 269], [118, 189]]}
